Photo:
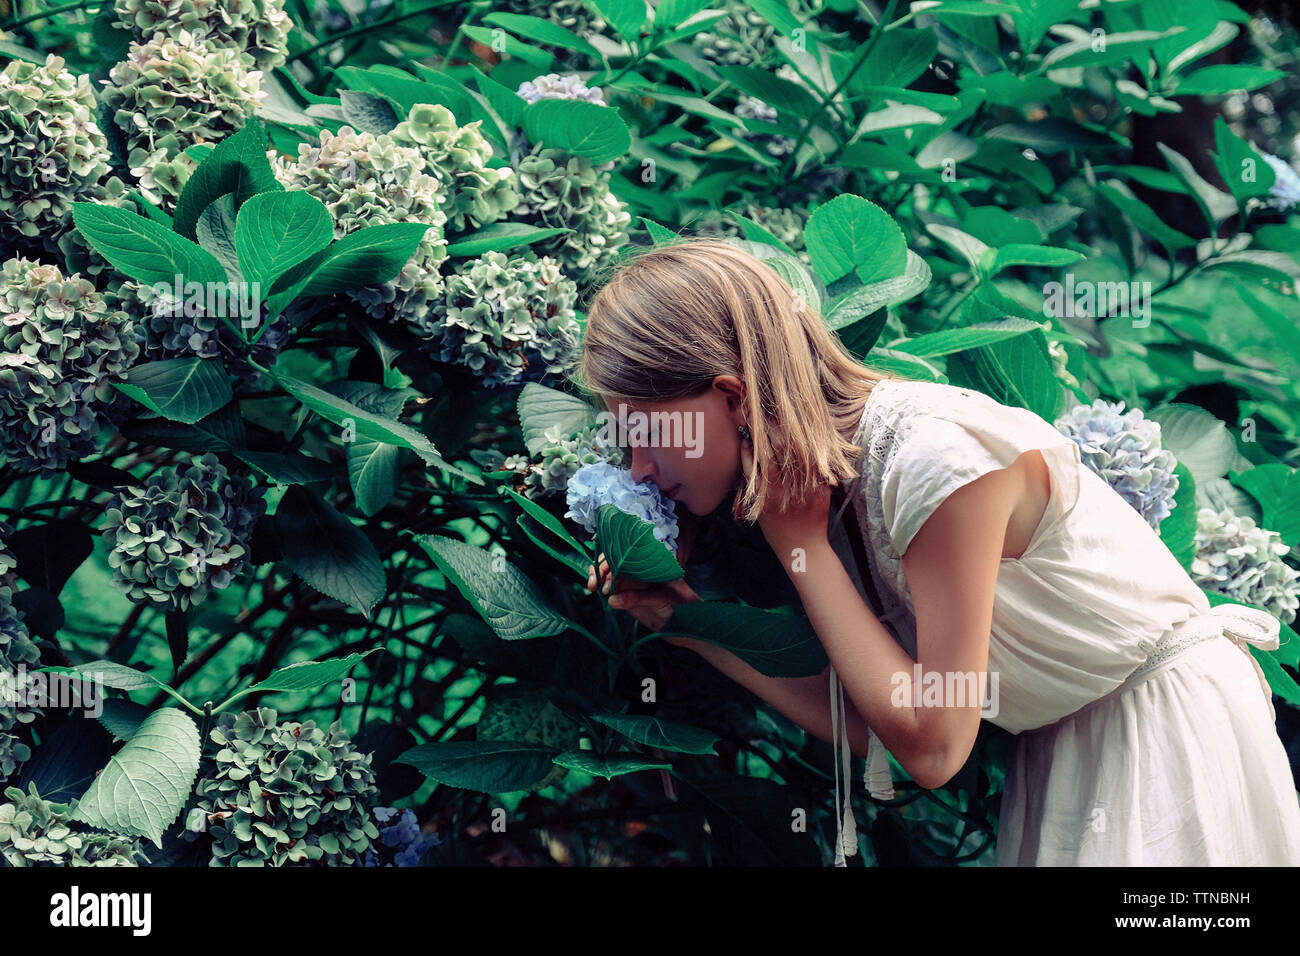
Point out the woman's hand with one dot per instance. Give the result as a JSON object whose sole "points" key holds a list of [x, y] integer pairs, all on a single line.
{"points": [[800, 526], [651, 604]]}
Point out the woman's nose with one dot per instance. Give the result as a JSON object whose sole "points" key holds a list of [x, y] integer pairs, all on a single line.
{"points": [[643, 466]]}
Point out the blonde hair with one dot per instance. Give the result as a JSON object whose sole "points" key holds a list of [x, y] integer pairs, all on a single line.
{"points": [[673, 317]]}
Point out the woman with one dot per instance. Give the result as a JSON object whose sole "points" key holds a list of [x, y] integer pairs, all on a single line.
{"points": [[1146, 729]]}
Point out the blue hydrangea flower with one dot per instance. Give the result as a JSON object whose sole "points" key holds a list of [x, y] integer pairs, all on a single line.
{"points": [[403, 836], [600, 483], [1125, 450], [1285, 191]]}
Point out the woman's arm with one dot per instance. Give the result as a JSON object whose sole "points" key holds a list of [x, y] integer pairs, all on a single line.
{"points": [[951, 567]]}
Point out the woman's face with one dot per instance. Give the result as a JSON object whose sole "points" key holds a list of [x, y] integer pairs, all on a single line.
{"points": [[689, 447]]}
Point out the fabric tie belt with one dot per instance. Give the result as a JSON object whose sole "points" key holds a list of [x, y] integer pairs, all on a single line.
{"points": [[1242, 625]]}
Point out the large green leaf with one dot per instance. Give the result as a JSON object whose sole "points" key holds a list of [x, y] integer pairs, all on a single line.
{"points": [[857, 304], [948, 341], [852, 234], [238, 165], [308, 675], [608, 766], [653, 732], [775, 643], [328, 551], [1178, 529], [367, 423], [542, 408], [277, 230], [142, 249], [630, 546], [371, 255], [146, 783], [579, 128], [180, 389], [501, 593], [1241, 166], [488, 766], [372, 464], [1197, 439]]}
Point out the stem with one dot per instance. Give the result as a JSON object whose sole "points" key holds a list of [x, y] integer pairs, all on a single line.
{"points": [[44, 14], [368, 28]]}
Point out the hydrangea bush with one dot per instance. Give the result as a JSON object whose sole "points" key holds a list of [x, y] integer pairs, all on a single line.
{"points": [[387, 448]]}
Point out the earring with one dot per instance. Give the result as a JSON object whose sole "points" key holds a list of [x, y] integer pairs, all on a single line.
{"points": [[744, 433]]}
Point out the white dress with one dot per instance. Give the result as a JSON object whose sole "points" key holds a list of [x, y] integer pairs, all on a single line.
{"points": [[1145, 727]]}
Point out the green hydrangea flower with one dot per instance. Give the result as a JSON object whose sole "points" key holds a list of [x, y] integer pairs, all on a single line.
{"points": [[16, 649], [557, 461], [369, 180], [52, 152], [1237, 558], [181, 531], [60, 347], [37, 832], [742, 38], [786, 224], [508, 320], [286, 794], [569, 192], [457, 156], [170, 93], [257, 28]]}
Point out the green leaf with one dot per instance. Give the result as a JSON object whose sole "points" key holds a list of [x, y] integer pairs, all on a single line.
{"points": [[223, 430], [328, 551], [1243, 169], [369, 256], [607, 765], [287, 468], [1142, 216], [216, 233], [142, 249], [1178, 529], [367, 424], [660, 235], [180, 389], [628, 17], [1016, 371], [541, 408], [146, 783], [1031, 254], [501, 593], [1253, 262], [309, 675], [238, 164], [499, 237], [579, 128], [487, 766], [948, 341], [653, 732], [109, 674], [1197, 439], [547, 520], [1216, 205], [861, 302], [277, 230], [852, 234], [775, 644], [631, 548], [367, 112], [1225, 78], [542, 31]]}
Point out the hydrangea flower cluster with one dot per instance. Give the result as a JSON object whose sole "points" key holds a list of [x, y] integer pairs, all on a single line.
{"points": [[601, 483], [457, 157], [741, 38], [54, 152], [181, 531], [554, 86], [37, 832], [402, 836], [368, 180], [16, 648], [568, 192], [751, 107], [530, 717], [560, 456], [60, 347], [786, 224], [1125, 450], [170, 93], [1285, 191], [509, 320], [257, 29], [286, 793], [1237, 558]]}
